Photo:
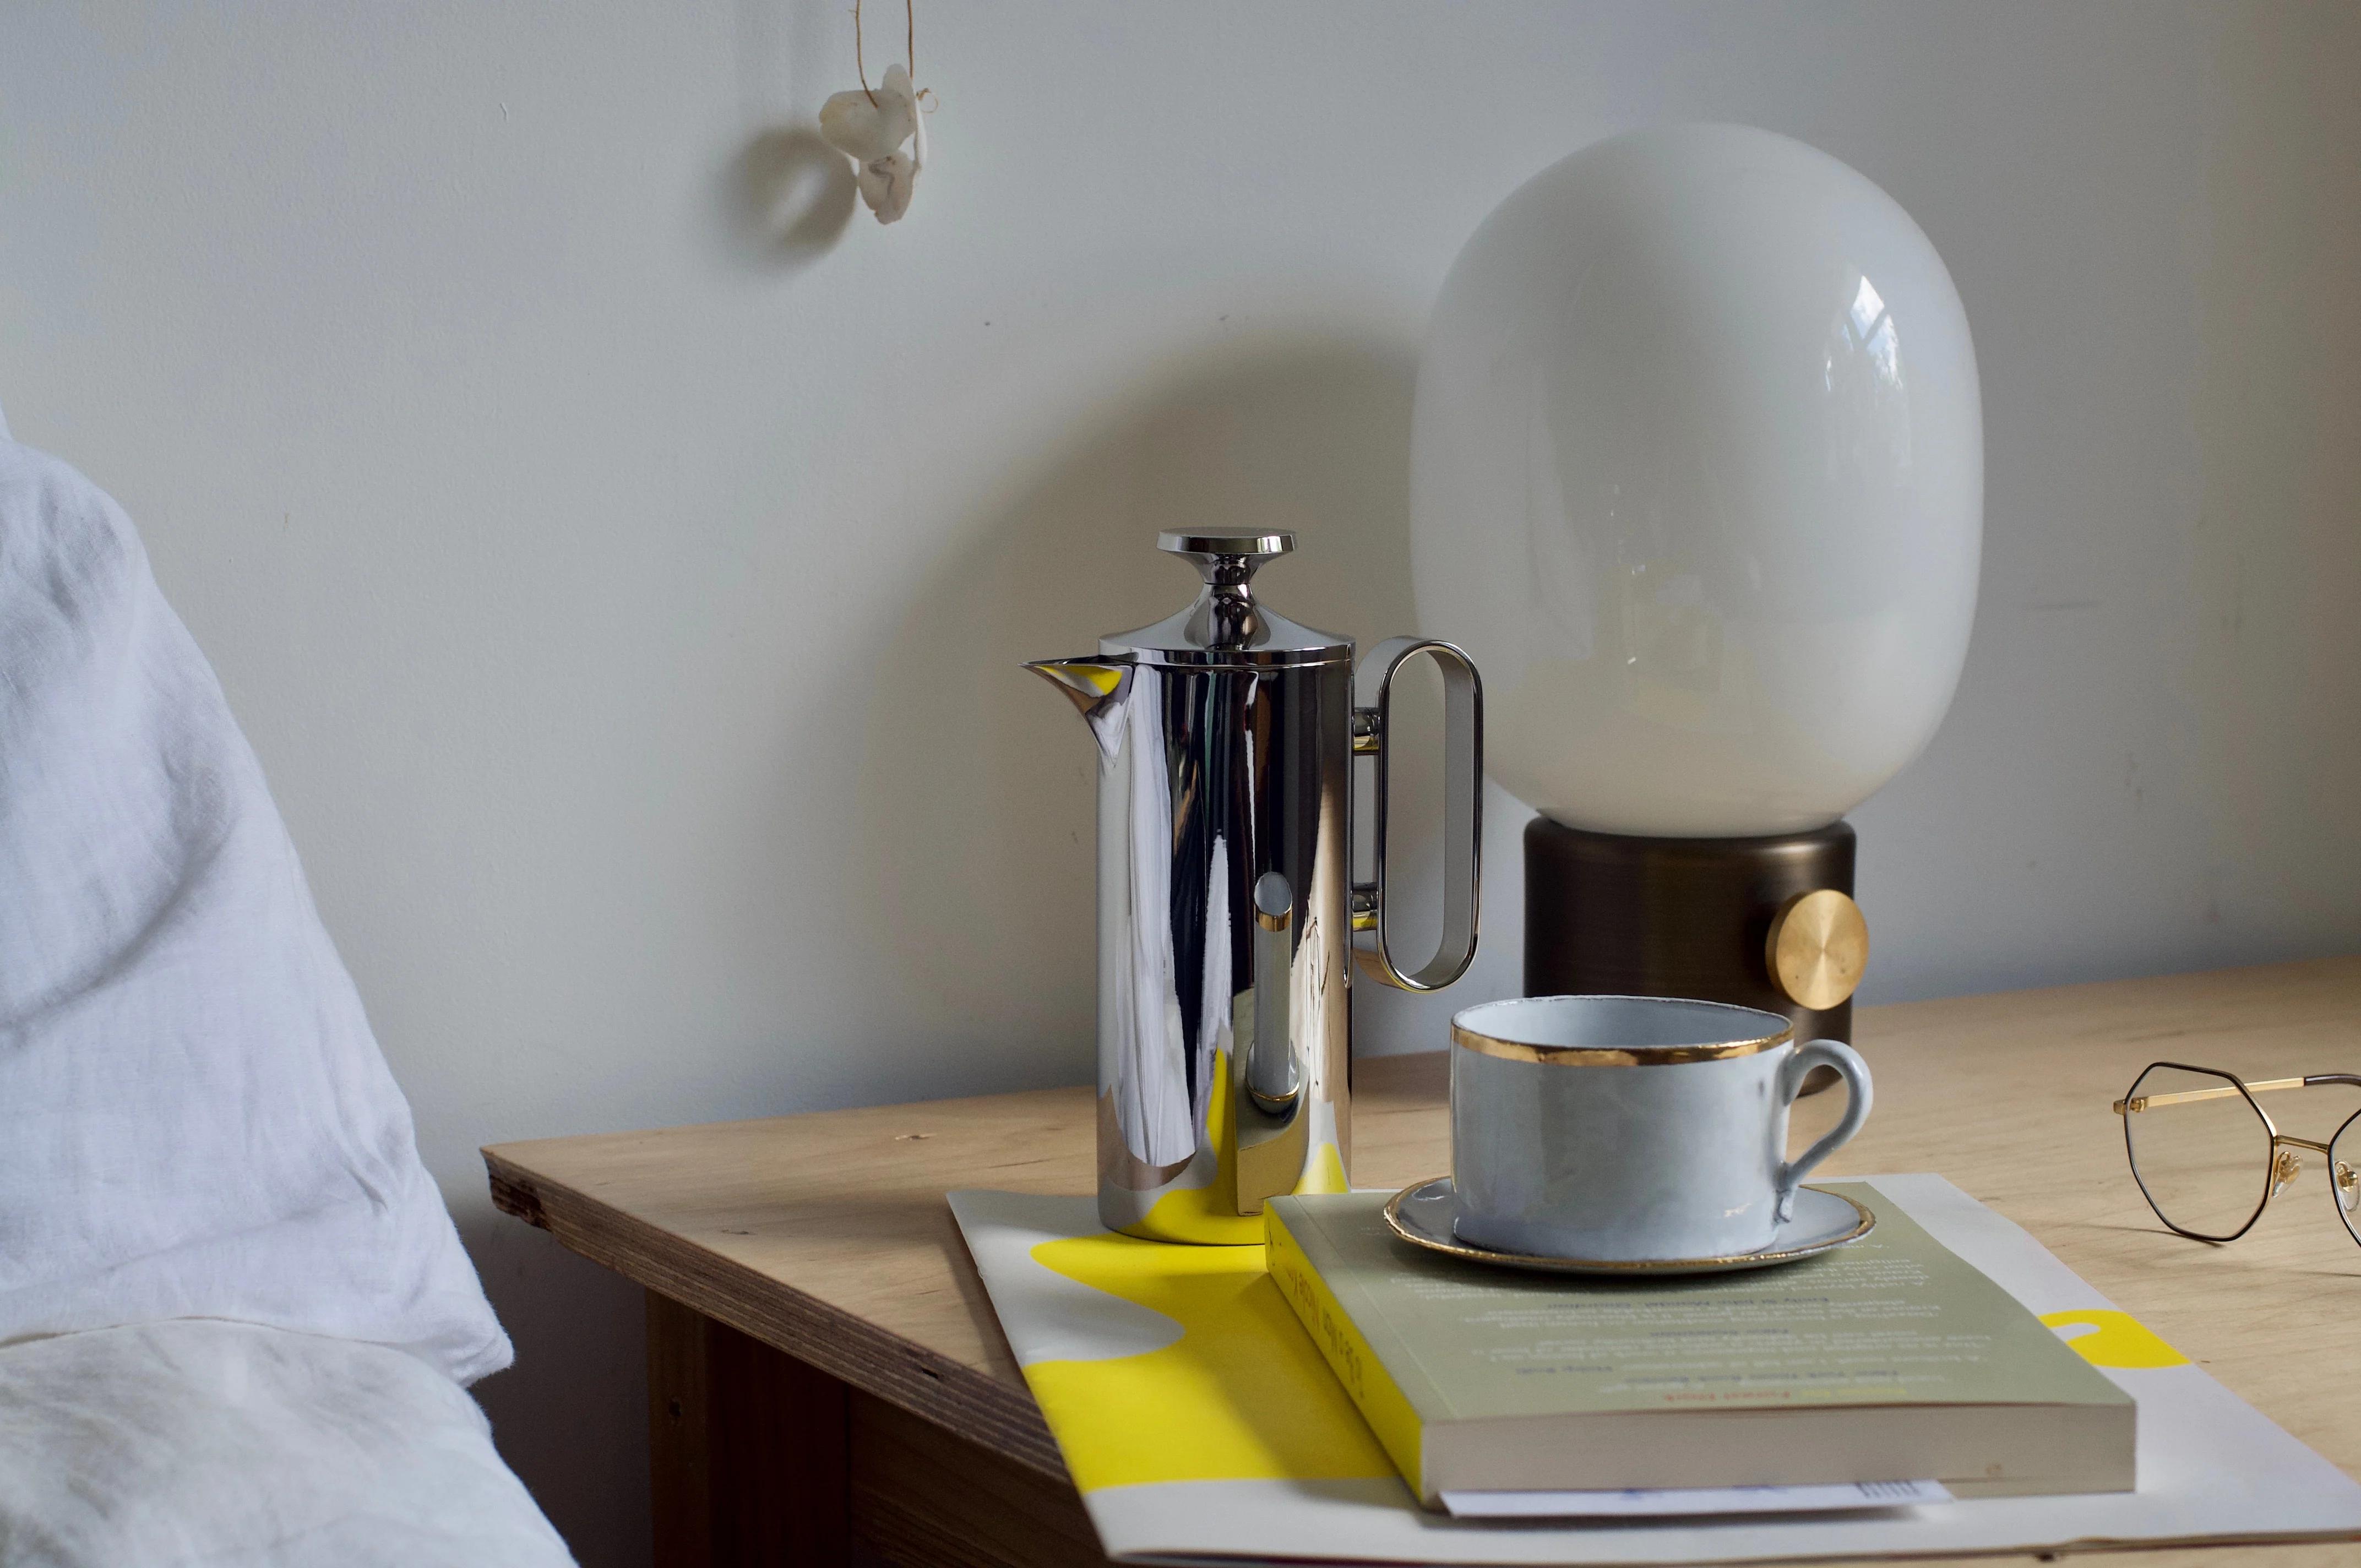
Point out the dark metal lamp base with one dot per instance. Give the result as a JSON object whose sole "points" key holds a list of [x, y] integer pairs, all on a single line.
{"points": [[1613, 915]]}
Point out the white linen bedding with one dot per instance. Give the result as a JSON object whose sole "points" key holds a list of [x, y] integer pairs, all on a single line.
{"points": [[194, 1117], [236, 1320], [231, 1446]]}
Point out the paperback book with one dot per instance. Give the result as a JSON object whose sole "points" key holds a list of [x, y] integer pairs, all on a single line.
{"points": [[1888, 1360]]}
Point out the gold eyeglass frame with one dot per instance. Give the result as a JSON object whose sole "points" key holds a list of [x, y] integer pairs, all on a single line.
{"points": [[2284, 1164]]}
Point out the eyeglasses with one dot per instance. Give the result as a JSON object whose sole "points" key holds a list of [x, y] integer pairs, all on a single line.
{"points": [[2208, 1158]]}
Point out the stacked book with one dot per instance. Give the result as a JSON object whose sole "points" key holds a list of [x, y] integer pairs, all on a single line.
{"points": [[1908, 1395], [1888, 1371]]}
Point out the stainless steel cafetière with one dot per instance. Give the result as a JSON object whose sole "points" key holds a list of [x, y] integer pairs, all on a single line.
{"points": [[1227, 893]]}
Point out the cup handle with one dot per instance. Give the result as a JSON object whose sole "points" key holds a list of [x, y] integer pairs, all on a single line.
{"points": [[1848, 1062]]}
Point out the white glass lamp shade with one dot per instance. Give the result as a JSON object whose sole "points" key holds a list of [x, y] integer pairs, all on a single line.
{"points": [[1696, 475]]}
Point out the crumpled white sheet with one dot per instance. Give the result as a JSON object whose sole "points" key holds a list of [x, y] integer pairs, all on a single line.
{"points": [[235, 1317], [194, 1117], [229, 1445]]}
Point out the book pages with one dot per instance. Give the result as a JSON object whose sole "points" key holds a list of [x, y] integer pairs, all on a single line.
{"points": [[1717, 1500], [1199, 1421]]}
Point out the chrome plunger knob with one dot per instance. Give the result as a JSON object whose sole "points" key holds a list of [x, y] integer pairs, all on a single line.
{"points": [[1224, 615], [1227, 560]]}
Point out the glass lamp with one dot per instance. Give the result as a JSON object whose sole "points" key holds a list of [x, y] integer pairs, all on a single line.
{"points": [[1697, 478]]}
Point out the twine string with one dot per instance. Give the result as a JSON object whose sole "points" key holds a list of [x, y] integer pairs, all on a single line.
{"points": [[910, 45]]}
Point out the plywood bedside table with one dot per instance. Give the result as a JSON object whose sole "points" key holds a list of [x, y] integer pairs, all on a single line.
{"points": [[826, 1383]]}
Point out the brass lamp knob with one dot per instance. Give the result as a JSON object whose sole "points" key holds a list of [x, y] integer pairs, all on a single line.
{"points": [[1818, 947]]}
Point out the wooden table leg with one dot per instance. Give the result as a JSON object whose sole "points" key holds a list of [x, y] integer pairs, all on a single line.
{"points": [[923, 1497], [759, 1459], [748, 1450]]}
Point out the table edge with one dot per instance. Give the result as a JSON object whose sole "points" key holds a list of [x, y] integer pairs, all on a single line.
{"points": [[970, 1403]]}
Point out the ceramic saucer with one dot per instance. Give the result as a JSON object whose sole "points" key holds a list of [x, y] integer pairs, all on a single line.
{"points": [[1424, 1215]]}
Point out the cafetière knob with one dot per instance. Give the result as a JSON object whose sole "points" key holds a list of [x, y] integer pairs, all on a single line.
{"points": [[1227, 560], [1818, 947]]}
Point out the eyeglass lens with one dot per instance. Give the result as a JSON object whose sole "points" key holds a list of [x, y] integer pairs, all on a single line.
{"points": [[2344, 1174], [2202, 1152]]}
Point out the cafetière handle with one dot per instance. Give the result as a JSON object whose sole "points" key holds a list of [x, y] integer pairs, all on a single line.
{"points": [[1463, 809]]}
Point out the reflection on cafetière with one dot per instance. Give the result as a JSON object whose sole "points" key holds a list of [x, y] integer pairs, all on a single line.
{"points": [[1227, 736]]}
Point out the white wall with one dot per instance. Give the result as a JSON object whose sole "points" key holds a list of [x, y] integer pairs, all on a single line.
{"points": [[621, 570]]}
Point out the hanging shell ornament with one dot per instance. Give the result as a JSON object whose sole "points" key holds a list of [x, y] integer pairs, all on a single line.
{"points": [[870, 128]]}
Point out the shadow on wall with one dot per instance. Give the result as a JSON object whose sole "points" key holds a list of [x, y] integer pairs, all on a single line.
{"points": [[974, 849], [571, 1417], [785, 198]]}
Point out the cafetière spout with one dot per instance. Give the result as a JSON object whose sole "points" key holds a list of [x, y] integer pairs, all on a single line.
{"points": [[1099, 689], [1095, 686]]}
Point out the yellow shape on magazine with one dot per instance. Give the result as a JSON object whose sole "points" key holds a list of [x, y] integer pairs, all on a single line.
{"points": [[1241, 1396], [2122, 1340], [1204, 1214]]}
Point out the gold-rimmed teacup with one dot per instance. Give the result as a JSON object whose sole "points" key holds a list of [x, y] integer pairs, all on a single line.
{"points": [[1631, 1127]]}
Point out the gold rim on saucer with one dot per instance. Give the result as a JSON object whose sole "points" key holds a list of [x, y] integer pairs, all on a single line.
{"points": [[1454, 1247]]}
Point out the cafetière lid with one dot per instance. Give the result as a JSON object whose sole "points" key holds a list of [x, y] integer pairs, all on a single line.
{"points": [[1228, 625]]}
